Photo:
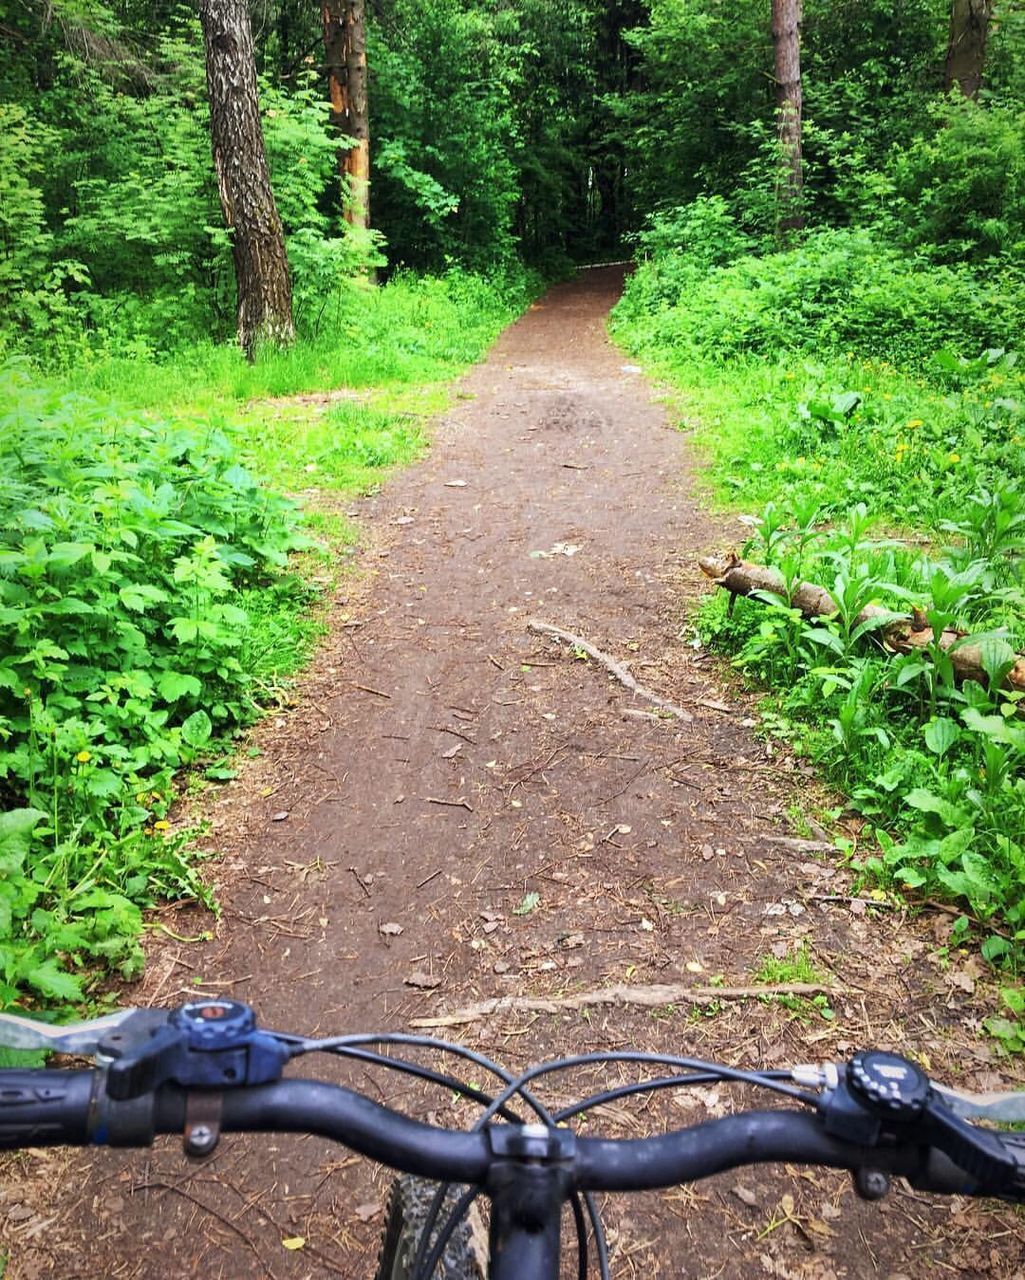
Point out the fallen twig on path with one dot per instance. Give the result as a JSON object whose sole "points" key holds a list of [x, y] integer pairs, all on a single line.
{"points": [[648, 997], [611, 665], [360, 881], [365, 688]]}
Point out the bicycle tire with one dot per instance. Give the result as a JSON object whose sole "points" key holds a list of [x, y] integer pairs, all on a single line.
{"points": [[465, 1256]]}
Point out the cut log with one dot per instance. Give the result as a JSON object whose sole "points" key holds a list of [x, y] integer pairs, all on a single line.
{"points": [[906, 633]]}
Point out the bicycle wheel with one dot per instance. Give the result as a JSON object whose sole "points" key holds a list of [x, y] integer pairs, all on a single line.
{"points": [[466, 1253]]}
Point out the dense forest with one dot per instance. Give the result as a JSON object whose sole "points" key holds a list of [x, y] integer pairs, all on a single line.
{"points": [[827, 208], [547, 133]]}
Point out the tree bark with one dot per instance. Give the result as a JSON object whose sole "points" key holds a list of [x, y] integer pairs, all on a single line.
{"points": [[786, 38], [966, 50], [345, 43], [906, 634], [243, 179]]}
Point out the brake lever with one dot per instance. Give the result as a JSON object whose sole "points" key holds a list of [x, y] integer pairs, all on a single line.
{"points": [[80, 1038], [1008, 1107]]}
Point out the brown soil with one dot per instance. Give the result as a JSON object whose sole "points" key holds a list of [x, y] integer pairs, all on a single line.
{"points": [[442, 763]]}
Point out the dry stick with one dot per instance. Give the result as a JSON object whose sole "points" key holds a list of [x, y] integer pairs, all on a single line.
{"points": [[365, 688], [442, 728], [360, 881], [611, 665], [214, 1213], [649, 997]]}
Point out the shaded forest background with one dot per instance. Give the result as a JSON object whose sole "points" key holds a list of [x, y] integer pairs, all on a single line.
{"points": [[545, 132]]}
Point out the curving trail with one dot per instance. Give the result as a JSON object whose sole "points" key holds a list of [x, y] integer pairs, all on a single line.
{"points": [[444, 762]]}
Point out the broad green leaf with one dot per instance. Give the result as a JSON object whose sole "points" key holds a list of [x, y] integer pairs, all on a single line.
{"points": [[173, 685], [197, 728], [928, 802], [940, 735], [997, 657], [995, 948], [63, 555], [16, 827], [845, 403], [184, 629], [103, 784], [53, 982]]}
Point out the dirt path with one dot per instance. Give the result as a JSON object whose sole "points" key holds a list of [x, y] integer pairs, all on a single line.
{"points": [[445, 762]]}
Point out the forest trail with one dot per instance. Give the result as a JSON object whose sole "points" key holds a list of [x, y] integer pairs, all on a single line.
{"points": [[444, 762]]}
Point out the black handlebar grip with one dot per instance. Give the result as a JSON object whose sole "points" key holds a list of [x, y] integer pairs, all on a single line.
{"points": [[42, 1108]]}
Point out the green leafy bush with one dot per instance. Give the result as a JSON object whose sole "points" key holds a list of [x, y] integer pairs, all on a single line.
{"points": [[840, 291], [935, 765], [125, 545], [957, 190]]}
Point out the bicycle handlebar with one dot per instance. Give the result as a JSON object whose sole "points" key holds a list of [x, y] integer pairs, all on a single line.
{"points": [[55, 1107]]}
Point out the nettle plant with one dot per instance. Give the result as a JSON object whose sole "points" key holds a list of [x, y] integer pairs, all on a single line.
{"points": [[124, 550]]}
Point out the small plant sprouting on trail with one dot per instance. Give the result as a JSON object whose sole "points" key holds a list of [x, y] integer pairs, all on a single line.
{"points": [[796, 965]]}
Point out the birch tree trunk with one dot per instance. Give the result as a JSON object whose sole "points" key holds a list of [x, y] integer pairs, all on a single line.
{"points": [[786, 38], [966, 50], [345, 44], [257, 237]]}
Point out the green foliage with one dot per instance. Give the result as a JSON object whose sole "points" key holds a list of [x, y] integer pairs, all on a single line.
{"points": [[31, 299], [699, 235], [847, 387], [840, 291], [957, 190], [445, 186], [125, 544], [147, 607], [934, 765]]}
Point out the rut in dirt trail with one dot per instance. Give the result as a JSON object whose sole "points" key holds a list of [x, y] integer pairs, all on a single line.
{"points": [[443, 763]]}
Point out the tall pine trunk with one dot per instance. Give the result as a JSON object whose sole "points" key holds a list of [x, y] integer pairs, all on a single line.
{"points": [[966, 49], [257, 237], [786, 38], [345, 44]]}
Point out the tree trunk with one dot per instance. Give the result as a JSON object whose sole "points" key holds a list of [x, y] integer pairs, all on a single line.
{"points": [[966, 51], [786, 37], [257, 237], [345, 42]]}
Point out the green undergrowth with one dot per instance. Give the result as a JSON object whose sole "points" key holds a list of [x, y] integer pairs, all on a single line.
{"points": [[891, 473], [158, 584]]}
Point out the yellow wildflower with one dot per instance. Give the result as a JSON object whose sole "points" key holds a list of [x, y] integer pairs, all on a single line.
{"points": [[955, 457], [84, 757], [161, 826], [915, 422]]}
